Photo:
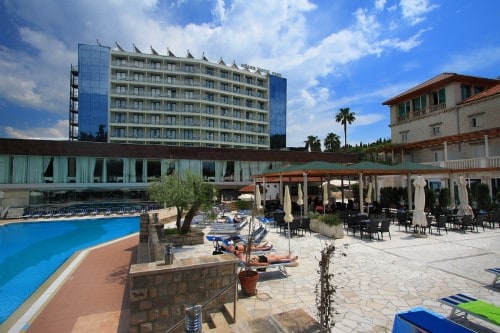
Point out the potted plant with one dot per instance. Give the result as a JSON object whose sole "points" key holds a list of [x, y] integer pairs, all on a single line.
{"points": [[249, 277], [329, 225]]}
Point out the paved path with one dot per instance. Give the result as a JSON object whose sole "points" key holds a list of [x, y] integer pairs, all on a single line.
{"points": [[374, 280]]}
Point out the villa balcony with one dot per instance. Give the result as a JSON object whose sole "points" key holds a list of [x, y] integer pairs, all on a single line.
{"points": [[470, 163]]}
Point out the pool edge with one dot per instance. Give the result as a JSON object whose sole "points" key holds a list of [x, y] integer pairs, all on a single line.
{"points": [[20, 319]]}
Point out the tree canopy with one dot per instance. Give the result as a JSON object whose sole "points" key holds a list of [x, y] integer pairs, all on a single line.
{"points": [[345, 116], [332, 142], [185, 193], [313, 143]]}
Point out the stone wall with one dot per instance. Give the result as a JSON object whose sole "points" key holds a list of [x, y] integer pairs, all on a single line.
{"points": [[144, 228], [159, 293]]}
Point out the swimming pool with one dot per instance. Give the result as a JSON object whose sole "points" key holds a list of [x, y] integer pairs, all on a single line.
{"points": [[31, 252]]}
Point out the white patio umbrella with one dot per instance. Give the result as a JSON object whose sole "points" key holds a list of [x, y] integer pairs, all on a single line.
{"points": [[419, 218], [368, 198], [258, 198], [246, 197], [325, 197], [463, 208], [287, 205], [300, 199]]}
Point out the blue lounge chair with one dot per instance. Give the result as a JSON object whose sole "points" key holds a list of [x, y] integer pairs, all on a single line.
{"points": [[421, 319], [462, 305], [496, 279]]}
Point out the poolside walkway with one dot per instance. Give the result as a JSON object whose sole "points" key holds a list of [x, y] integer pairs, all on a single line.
{"points": [[374, 280], [95, 298]]}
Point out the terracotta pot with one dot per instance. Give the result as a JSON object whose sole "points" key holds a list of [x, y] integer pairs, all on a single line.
{"points": [[248, 282]]}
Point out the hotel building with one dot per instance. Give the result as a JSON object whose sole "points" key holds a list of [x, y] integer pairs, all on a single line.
{"points": [[133, 97], [55, 172], [451, 121]]}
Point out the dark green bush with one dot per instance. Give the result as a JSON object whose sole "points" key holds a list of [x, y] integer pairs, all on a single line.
{"points": [[330, 219]]}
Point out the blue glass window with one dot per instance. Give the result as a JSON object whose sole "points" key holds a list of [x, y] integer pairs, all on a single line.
{"points": [[93, 90]]}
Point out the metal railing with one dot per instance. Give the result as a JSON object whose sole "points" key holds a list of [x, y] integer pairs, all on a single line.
{"points": [[469, 163], [209, 301]]}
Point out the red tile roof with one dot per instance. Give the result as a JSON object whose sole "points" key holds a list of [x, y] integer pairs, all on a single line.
{"points": [[438, 82], [495, 90]]}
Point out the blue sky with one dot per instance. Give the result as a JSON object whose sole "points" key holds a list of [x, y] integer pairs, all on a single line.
{"points": [[334, 54]]}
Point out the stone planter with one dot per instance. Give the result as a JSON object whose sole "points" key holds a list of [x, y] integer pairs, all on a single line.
{"points": [[332, 231], [195, 237]]}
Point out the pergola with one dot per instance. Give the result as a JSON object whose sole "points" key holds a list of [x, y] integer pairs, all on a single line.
{"points": [[319, 170]]}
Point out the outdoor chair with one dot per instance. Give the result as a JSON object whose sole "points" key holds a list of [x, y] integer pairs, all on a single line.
{"points": [[352, 223], [305, 225], [439, 223], [294, 226], [430, 220], [370, 228], [384, 227], [478, 222], [466, 223], [493, 218], [403, 220]]}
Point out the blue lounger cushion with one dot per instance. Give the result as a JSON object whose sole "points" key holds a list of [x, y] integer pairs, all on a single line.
{"points": [[426, 320], [430, 323]]}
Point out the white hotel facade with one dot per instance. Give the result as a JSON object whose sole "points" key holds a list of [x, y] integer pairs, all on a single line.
{"points": [[133, 97]]}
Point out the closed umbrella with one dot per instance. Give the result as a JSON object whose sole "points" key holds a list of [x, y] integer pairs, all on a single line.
{"points": [[463, 208], [368, 198], [300, 200], [287, 205], [258, 198], [325, 197], [419, 218]]}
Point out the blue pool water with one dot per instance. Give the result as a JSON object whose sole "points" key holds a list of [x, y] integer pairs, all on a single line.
{"points": [[31, 252]]}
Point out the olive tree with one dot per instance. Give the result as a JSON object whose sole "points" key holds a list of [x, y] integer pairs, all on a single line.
{"points": [[187, 193]]}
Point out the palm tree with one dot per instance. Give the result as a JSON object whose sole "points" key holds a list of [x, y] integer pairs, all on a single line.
{"points": [[313, 143], [332, 142], [344, 116]]}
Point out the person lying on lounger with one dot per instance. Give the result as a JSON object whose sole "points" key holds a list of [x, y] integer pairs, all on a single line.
{"points": [[268, 259], [237, 248]]}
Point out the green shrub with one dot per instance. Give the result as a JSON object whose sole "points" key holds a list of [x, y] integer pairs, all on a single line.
{"points": [[243, 205], [313, 215], [483, 196], [330, 219], [444, 198], [171, 231]]}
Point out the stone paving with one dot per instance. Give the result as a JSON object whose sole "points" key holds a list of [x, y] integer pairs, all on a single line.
{"points": [[376, 279]]}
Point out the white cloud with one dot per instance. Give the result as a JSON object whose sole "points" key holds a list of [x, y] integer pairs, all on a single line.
{"points": [[379, 5], [59, 131], [268, 34], [461, 63], [414, 10]]}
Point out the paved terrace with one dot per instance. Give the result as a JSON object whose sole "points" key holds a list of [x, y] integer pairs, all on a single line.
{"points": [[374, 280]]}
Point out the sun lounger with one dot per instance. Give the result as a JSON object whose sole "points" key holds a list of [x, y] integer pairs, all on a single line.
{"points": [[421, 319], [461, 303], [496, 279], [281, 267]]}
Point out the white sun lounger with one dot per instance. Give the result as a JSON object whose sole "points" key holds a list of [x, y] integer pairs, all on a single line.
{"points": [[496, 279]]}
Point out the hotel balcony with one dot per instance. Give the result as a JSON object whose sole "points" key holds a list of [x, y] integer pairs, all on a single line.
{"points": [[469, 164]]}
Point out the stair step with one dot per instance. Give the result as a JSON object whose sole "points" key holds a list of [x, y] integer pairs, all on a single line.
{"points": [[205, 327], [219, 321], [242, 315]]}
